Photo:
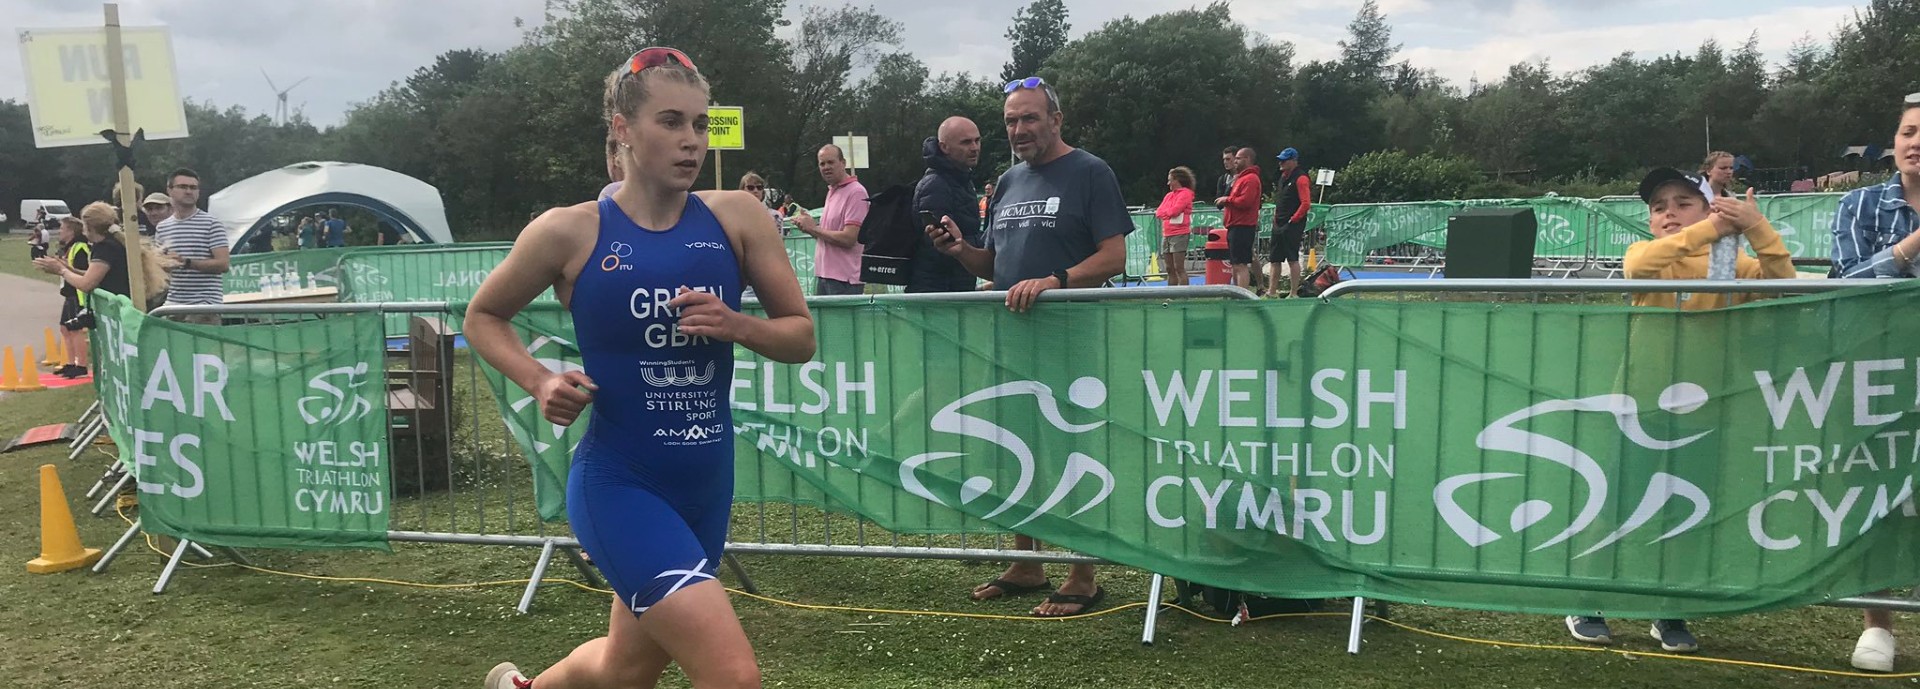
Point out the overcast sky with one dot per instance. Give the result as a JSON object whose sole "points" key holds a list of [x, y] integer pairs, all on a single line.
{"points": [[348, 50]]}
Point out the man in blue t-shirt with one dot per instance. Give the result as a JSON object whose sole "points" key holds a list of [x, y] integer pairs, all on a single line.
{"points": [[1057, 221], [336, 229]]}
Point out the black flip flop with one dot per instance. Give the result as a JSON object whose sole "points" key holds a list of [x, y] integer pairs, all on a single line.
{"points": [[1010, 589], [1086, 603]]}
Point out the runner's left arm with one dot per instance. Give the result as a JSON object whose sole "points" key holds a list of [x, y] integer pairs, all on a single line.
{"points": [[786, 333]]}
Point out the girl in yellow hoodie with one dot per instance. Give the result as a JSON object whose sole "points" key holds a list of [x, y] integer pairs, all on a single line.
{"points": [[1685, 225]]}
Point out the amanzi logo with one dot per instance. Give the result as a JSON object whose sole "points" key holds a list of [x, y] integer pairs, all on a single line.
{"points": [[339, 398], [1087, 393], [692, 433], [1506, 435]]}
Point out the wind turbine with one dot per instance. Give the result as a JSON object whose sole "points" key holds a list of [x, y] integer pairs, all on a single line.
{"points": [[280, 111]]}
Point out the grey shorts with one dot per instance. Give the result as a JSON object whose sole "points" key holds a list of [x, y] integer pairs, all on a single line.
{"points": [[1176, 244]]}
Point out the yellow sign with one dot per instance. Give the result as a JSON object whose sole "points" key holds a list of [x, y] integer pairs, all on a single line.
{"points": [[726, 128], [70, 97]]}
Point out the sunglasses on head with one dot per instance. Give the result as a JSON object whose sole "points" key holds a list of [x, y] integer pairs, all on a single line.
{"points": [[1027, 83], [649, 58]]}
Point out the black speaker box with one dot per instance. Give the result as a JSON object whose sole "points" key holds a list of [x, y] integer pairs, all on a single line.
{"points": [[1490, 243]]}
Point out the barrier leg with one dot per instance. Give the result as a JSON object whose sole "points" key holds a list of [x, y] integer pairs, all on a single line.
{"points": [[586, 569], [1153, 611], [234, 555], [740, 572], [539, 572], [173, 563], [112, 493], [86, 437], [119, 545], [106, 478], [198, 551], [1353, 626], [85, 421]]}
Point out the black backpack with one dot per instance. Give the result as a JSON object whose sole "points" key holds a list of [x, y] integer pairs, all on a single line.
{"points": [[890, 235], [1227, 603]]}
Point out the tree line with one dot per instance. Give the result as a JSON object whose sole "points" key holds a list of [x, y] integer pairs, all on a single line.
{"points": [[503, 134]]}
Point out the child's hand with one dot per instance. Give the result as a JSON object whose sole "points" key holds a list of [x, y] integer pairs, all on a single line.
{"points": [[1738, 214]]}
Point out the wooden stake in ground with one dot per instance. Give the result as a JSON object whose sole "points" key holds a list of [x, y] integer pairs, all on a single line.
{"points": [[129, 200]]}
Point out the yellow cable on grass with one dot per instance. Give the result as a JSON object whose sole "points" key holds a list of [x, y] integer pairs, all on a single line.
{"points": [[1109, 611]]}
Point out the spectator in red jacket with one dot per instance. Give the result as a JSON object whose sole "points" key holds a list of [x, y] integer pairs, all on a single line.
{"points": [[1240, 211], [1292, 198], [1176, 222]]}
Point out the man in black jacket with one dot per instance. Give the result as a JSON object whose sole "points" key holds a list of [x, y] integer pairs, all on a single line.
{"points": [[946, 190]]}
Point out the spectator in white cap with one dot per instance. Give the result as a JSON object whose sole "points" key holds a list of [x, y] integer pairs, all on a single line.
{"points": [[155, 208]]}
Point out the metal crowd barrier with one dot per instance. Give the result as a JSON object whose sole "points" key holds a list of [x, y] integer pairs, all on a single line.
{"points": [[475, 488], [1617, 286], [481, 490]]}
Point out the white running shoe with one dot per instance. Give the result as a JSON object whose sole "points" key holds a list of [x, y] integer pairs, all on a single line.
{"points": [[507, 676], [1874, 653]]}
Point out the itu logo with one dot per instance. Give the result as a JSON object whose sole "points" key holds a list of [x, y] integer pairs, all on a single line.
{"points": [[615, 253]]}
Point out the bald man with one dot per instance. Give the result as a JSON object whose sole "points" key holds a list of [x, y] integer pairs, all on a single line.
{"points": [[946, 190], [1240, 212]]}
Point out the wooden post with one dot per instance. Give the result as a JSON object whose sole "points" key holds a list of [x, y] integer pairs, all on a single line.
{"points": [[129, 198]]}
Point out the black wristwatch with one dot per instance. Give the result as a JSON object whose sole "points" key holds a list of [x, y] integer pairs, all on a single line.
{"points": [[1060, 275]]}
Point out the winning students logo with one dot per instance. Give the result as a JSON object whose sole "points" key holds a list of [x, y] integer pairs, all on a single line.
{"points": [[1087, 393], [1506, 435], [677, 376]]}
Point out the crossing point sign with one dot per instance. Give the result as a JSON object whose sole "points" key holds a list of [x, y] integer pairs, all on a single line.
{"points": [[726, 128]]}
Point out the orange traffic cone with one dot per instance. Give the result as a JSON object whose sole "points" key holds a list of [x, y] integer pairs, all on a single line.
{"points": [[9, 376], [29, 376], [59, 539], [54, 357]]}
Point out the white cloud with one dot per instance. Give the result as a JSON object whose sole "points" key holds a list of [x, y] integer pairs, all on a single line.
{"points": [[1539, 34], [352, 49]]}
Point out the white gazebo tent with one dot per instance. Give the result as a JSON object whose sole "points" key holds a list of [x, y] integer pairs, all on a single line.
{"points": [[251, 204]]}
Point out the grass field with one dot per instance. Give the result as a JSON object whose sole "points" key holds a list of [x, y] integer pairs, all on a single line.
{"points": [[14, 261], [228, 627]]}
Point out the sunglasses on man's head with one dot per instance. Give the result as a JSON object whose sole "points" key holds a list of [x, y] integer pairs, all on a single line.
{"points": [[649, 58], [1027, 83]]}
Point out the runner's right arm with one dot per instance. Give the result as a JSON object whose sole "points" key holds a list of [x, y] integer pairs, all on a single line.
{"points": [[537, 261]]}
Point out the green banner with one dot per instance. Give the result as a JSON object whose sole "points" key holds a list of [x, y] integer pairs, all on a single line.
{"points": [[247, 269], [249, 436], [450, 273], [800, 249], [1567, 226], [1529, 458]]}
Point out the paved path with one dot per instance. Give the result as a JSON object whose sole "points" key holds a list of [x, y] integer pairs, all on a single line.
{"points": [[27, 308]]}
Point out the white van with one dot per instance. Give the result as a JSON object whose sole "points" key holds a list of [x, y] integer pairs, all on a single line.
{"points": [[56, 209]]}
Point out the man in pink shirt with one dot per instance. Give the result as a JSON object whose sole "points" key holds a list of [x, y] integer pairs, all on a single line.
{"points": [[836, 262]]}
